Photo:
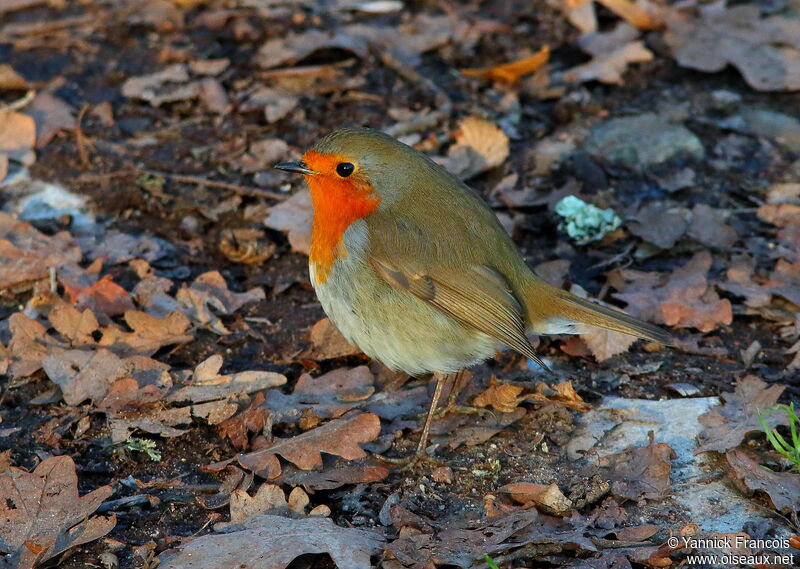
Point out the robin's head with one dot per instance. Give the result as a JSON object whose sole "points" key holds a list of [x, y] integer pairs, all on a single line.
{"points": [[351, 172], [352, 163]]}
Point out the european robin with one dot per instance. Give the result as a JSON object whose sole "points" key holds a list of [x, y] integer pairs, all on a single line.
{"points": [[415, 269]]}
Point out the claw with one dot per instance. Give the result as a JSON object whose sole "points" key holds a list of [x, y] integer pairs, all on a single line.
{"points": [[410, 461]]}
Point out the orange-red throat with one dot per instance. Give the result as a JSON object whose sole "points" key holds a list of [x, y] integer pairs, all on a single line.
{"points": [[338, 202]]}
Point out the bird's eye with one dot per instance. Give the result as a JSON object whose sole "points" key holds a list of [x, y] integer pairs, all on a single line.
{"points": [[344, 169]]}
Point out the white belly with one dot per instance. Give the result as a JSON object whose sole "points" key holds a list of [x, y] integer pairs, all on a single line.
{"points": [[394, 327]]}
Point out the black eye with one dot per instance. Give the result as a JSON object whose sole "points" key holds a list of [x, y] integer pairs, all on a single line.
{"points": [[344, 169]]}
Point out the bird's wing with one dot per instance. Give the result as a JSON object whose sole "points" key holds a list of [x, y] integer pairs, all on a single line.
{"points": [[478, 297]]}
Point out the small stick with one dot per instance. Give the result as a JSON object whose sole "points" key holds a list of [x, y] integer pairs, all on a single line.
{"points": [[236, 188]]}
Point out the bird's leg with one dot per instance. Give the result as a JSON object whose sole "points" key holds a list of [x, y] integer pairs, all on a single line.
{"points": [[420, 454], [459, 381]]}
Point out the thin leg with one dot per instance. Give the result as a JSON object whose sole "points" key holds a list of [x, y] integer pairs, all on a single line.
{"points": [[420, 454], [426, 427], [459, 381]]}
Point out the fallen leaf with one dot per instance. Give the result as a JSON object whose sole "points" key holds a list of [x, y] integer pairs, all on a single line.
{"points": [[682, 300], [148, 333], [210, 290], [273, 542], [10, 80], [709, 227], [503, 397], [640, 472], [294, 217], [43, 515], [268, 498], [765, 50], [605, 344], [331, 478], [103, 297], [328, 396], [207, 384], [784, 193], [562, 393], [480, 146], [783, 488], [511, 72], [726, 426], [166, 86], [660, 223], [612, 53], [465, 430], [52, 115], [643, 14], [328, 343], [465, 544], [27, 255], [548, 498], [156, 421], [340, 437], [780, 214], [17, 133], [250, 420], [581, 14]]}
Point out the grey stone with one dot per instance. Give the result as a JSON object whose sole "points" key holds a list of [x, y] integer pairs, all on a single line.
{"points": [[641, 141], [697, 485]]}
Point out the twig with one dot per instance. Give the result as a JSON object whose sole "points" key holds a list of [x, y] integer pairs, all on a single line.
{"points": [[19, 103], [80, 138], [236, 188]]}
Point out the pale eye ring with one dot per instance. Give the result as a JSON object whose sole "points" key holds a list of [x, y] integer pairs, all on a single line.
{"points": [[344, 169]]}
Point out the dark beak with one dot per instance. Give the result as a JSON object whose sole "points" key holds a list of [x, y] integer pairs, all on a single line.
{"points": [[298, 167]]}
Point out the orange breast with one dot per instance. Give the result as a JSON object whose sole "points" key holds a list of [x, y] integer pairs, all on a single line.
{"points": [[338, 202]]}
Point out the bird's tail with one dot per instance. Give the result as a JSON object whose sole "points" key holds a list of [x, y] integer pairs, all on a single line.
{"points": [[552, 310]]}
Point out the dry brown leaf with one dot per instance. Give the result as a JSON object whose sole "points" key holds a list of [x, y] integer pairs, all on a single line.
{"points": [[726, 426], [340, 437], [780, 214], [547, 498], [640, 472], [783, 488], [331, 478], [328, 343], [17, 132], [207, 384], [10, 80], [325, 397], [660, 223], [643, 14], [43, 515], [609, 67], [784, 193], [103, 297], [682, 300], [293, 216], [581, 14], [268, 497], [605, 344], [501, 396], [480, 146], [209, 295], [251, 420], [166, 86], [511, 72], [562, 393], [27, 255], [276, 541], [765, 50], [709, 226], [52, 115]]}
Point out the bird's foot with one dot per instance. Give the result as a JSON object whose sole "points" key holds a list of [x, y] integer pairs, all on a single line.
{"points": [[462, 410], [410, 461]]}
